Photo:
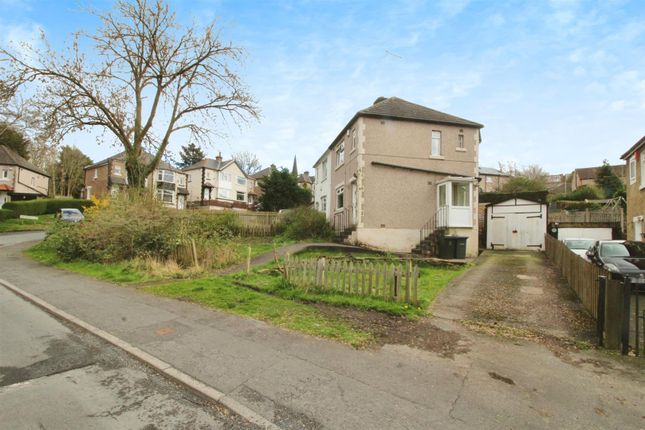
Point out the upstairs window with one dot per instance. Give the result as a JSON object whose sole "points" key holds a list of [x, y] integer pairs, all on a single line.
{"points": [[340, 154], [241, 180], [435, 150], [166, 176], [460, 141], [117, 170], [181, 180], [323, 167], [354, 139], [323, 203], [632, 170], [224, 177], [5, 174], [96, 173]]}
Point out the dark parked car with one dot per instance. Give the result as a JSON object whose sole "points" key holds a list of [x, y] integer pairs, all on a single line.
{"points": [[70, 215], [621, 257]]}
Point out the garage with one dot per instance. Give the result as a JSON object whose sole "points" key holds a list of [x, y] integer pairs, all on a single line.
{"points": [[516, 223]]}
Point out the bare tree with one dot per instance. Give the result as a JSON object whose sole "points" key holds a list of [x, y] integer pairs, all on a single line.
{"points": [[150, 78], [248, 162]]}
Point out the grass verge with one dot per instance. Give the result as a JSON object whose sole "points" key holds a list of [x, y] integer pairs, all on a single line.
{"points": [[123, 272], [221, 293], [11, 225]]}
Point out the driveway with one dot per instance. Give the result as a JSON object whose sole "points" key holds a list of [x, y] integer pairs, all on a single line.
{"points": [[504, 379]]}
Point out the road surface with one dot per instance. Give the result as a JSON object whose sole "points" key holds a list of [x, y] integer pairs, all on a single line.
{"points": [[56, 377]]}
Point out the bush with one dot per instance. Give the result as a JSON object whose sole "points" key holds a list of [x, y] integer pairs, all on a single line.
{"points": [[132, 226], [580, 194], [27, 207], [6, 214], [53, 205], [306, 223], [45, 206]]}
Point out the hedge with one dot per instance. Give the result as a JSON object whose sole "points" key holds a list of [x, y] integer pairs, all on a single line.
{"points": [[45, 206], [7, 214]]}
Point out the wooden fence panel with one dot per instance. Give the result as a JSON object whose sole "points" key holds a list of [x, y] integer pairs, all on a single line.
{"points": [[581, 274], [392, 282]]}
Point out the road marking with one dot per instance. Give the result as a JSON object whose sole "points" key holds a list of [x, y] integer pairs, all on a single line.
{"points": [[160, 365]]}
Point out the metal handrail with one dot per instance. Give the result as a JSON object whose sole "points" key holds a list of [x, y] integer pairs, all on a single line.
{"points": [[343, 220], [438, 220]]}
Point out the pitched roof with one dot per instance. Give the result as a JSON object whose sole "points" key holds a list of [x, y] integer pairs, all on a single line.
{"points": [[210, 163], [262, 173], [145, 156], [10, 157], [491, 171], [586, 173], [394, 107], [633, 149]]}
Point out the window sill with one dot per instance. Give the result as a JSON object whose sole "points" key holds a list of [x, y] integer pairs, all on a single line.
{"points": [[437, 157], [339, 166], [339, 210], [461, 150]]}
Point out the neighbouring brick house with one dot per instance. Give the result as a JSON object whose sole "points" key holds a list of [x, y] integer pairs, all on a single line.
{"points": [[109, 177], [19, 179], [635, 186], [586, 176], [492, 180], [397, 172], [220, 184]]}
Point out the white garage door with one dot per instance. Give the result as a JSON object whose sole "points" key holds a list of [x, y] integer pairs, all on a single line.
{"points": [[516, 224]]}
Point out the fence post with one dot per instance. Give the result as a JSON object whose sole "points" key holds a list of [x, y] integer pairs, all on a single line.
{"points": [[248, 261], [624, 335], [600, 319]]}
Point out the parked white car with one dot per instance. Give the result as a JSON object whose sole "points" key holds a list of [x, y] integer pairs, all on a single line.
{"points": [[579, 246]]}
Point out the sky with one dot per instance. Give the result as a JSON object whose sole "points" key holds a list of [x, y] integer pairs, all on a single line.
{"points": [[560, 84]]}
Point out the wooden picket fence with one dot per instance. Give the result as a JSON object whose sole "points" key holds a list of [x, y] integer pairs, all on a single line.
{"points": [[581, 275], [394, 282]]}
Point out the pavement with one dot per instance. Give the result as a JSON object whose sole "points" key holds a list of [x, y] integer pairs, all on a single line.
{"points": [[298, 381], [54, 376]]}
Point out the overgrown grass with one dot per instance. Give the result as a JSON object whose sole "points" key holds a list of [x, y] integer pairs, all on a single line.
{"points": [[260, 245], [122, 272], [42, 223], [220, 293]]}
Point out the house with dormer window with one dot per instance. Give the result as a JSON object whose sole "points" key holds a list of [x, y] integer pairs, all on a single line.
{"points": [[398, 173]]}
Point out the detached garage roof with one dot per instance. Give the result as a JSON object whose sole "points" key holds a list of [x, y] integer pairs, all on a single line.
{"points": [[495, 198]]}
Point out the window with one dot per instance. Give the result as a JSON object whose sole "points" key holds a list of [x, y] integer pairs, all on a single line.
{"points": [[354, 139], [224, 177], [166, 196], [117, 170], [323, 166], [340, 154], [323, 203], [489, 179], [5, 174], [33, 181], [166, 176], [340, 201], [241, 180], [642, 169], [181, 180], [460, 194], [436, 143], [223, 193], [442, 195], [632, 169], [96, 174], [460, 141], [240, 196]]}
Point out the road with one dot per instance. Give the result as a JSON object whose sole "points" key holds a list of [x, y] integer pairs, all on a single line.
{"points": [[54, 376]]}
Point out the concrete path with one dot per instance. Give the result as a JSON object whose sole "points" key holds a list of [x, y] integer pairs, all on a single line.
{"points": [[56, 377], [298, 381]]}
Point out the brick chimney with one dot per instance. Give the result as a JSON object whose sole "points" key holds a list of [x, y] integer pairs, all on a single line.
{"points": [[219, 157]]}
